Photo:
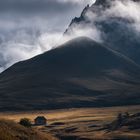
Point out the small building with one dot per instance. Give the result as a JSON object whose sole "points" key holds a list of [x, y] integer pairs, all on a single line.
{"points": [[40, 120]]}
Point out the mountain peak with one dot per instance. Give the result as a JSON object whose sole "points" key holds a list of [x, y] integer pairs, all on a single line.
{"points": [[85, 10]]}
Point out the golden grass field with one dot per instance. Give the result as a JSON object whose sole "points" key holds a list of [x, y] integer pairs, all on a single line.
{"points": [[83, 123], [9, 130]]}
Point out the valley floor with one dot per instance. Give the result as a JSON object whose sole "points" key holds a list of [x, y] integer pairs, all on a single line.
{"points": [[82, 123]]}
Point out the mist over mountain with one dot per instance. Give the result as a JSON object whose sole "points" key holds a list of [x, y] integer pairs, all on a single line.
{"points": [[115, 23]]}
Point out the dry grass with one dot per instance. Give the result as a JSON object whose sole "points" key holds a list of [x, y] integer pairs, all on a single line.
{"points": [[81, 123], [69, 114], [9, 130]]}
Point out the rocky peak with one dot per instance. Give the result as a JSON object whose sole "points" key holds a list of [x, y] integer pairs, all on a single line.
{"points": [[85, 10]]}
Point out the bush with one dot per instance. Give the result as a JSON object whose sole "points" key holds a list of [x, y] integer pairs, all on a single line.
{"points": [[25, 122]]}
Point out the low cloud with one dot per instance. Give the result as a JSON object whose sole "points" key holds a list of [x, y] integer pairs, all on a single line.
{"points": [[24, 46], [78, 30], [125, 9]]}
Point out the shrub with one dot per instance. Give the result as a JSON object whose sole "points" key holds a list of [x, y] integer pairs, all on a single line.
{"points": [[25, 122]]}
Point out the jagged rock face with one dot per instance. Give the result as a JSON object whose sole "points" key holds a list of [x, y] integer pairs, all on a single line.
{"points": [[117, 29]]}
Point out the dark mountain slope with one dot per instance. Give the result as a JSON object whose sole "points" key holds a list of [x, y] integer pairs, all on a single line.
{"points": [[80, 73]]}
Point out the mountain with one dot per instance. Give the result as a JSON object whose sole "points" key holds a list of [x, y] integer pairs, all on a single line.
{"points": [[79, 73], [115, 24]]}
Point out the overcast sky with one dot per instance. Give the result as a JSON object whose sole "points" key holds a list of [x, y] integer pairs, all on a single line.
{"points": [[49, 14], [27, 26]]}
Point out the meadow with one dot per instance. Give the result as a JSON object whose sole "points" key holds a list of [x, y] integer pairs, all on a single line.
{"points": [[81, 123]]}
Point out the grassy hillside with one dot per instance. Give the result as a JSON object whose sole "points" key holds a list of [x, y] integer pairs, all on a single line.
{"points": [[10, 130]]}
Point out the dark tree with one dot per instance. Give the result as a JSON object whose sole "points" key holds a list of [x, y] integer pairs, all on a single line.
{"points": [[120, 118]]}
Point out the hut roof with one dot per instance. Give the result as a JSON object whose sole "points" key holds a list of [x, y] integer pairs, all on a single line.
{"points": [[40, 118]]}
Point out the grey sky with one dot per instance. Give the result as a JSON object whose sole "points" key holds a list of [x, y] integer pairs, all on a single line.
{"points": [[55, 13]]}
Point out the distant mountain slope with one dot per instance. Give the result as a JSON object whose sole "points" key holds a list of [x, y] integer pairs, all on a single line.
{"points": [[113, 19], [80, 73]]}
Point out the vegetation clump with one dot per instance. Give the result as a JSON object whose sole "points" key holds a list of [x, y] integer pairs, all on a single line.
{"points": [[25, 122], [129, 121]]}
